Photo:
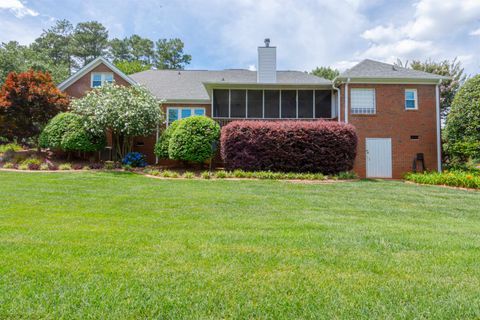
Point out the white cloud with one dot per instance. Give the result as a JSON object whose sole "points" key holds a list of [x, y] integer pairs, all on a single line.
{"points": [[475, 32], [17, 8], [434, 30]]}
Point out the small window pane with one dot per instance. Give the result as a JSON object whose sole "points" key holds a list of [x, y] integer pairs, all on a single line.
{"points": [[410, 104], [97, 77], [272, 103], [186, 113], [220, 103], [305, 103], [237, 103], [323, 104], [410, 95], [96, 84], [255, 103], [172, 115], [108, 77], [199, 112], [289, 104]]}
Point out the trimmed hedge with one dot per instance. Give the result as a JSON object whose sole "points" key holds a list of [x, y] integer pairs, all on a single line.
{"points": [[289, 146], [193, 138], [161, 147]]}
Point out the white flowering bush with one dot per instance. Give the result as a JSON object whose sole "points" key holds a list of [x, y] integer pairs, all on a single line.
{"points": [[123, 112]]}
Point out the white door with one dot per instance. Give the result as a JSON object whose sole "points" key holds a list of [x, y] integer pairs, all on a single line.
{"points": [[379, 157]]}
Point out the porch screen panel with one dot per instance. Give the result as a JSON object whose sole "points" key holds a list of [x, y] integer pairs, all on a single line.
{"points": [[255, 104], [289, 104], [305, 103], [323, 104], [220, 103], [237, 103], [272, 104]]}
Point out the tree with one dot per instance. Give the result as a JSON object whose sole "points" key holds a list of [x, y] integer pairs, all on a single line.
{"points": [[90, 40], [27, 101], [56, 44], [129, 67], [123, 112], [448, 88], [325, 72], [462, 128], [170, 54], [119, 50], [141, 49]]}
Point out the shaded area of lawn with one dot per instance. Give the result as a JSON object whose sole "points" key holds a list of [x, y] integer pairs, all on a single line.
{"points": [[119, 245]]}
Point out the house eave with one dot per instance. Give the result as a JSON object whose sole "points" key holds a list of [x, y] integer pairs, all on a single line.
{"points": [[368, 80]]}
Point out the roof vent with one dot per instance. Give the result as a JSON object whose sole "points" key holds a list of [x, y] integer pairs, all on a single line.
{"points": [[267, 42], [393, 68]]}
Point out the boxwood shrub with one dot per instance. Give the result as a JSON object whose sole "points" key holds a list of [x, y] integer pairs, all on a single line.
{"points": [[193, 138], [290, 146], [161, 147]]}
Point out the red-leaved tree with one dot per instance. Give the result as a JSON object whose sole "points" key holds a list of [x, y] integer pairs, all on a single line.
{"points": [[27, 101]]}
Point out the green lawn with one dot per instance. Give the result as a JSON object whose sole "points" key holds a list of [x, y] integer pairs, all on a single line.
{"points": [[120, 245]]}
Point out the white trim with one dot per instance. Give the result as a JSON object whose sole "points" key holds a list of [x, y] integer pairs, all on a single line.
{"points": [[415, 94], [90, 66], [346, 101], [439, 140], [388, 80]]}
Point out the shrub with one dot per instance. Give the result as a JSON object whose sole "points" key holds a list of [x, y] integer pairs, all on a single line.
{"points": [[289, 146], [127, 167], [31, 164], [8, 165], [154, 172], [205, 175], [77, 166], [221, 174], [44, 167], [109, 165], [10, 147], [188, 175], [67, 131], [448, 178], [22, 167], [135, 160], [96, 166], [65, 166], [161, 147], [52, 166], [193, 139], [168, 174], [347, 175]]}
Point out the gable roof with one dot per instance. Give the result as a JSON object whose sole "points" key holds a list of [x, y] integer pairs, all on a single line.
{"points": [[191, 85], [90, 66], [375, 70]]}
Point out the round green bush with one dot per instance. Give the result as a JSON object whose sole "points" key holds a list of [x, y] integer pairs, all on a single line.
{"points": [[193, 138], [161, 147], [462, 128], [66, 131]]}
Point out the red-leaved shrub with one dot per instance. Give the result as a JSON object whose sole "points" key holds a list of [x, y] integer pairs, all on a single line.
{"points": [[290, 146]]}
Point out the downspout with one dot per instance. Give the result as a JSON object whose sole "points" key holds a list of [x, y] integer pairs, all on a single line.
{"points": [[338, 99], [439, 138], [346, 100]]}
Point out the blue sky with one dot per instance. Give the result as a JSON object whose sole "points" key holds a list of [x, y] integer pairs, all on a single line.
{"points": [[224, 34]]}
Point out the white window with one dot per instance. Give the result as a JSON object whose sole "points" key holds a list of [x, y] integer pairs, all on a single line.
{"points": [[99, 78], [363, 101], [411, 101], [176, 113]]}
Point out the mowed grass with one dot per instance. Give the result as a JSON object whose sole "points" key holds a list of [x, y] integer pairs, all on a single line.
{"points": [[120, 245]]}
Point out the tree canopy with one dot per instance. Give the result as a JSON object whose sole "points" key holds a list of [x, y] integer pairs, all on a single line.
{"points": [[462, 128], [326, 72], [28, 100], [124, 112]]}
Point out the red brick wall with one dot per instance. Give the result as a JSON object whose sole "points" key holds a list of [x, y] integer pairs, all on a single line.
{"points": [[393, 121], [80, 87]]}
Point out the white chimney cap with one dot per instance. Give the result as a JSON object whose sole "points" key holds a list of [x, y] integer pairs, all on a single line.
{"points": [[267, 42]]}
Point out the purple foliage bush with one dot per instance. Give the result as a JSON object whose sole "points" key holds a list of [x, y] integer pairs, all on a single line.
{"points": [[290, 146]]}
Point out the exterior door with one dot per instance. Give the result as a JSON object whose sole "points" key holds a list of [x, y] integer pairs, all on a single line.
{"points": [[379, 157]]}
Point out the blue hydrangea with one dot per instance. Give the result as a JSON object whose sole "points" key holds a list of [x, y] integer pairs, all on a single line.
{"points": [[135, 159]]}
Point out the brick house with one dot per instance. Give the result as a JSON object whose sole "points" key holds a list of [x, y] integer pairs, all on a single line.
{"points": [[395, 110]]}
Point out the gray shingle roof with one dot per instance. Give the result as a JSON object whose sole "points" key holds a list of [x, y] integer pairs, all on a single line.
{"points": [[189, 84], [379, 70]]}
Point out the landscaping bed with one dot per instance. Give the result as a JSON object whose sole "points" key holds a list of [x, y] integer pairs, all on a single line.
{"points": [[461, 179]]}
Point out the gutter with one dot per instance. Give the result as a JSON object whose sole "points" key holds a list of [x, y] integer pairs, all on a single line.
{"points": [[346, 100]]}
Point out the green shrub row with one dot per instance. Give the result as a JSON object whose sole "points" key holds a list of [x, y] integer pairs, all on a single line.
{"points": [[10, 146], [240, 174], [448, 178]]}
